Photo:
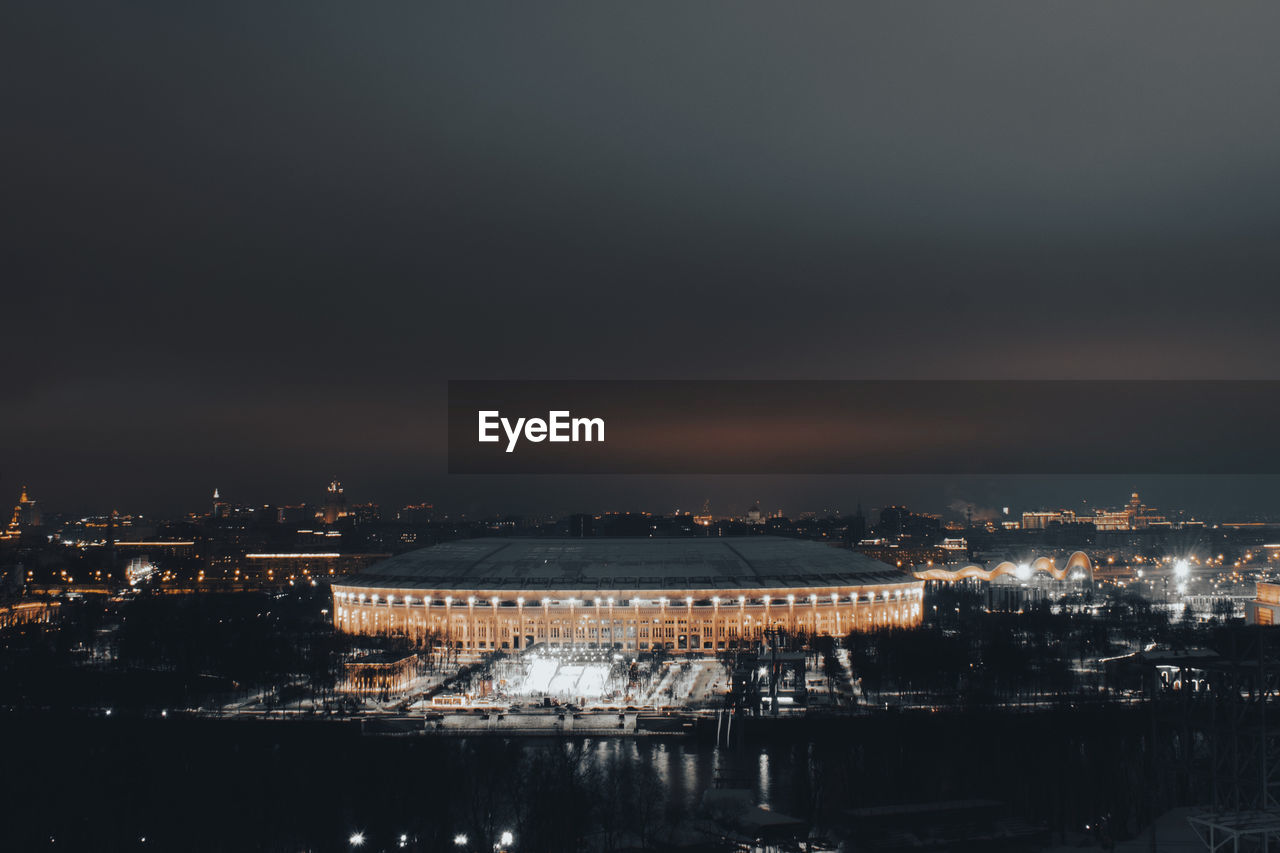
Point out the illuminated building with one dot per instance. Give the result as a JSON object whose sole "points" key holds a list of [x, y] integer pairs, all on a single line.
{"points": [[1007, 594], [1112, 520], [904, 555], [379, 673], [1041, 520], [1265, 608], [682, 594], [335, 505], [955, 550], [26, 514], [304, 565], [221, 509], [166, 547], [1135, 516], [27, 613]]}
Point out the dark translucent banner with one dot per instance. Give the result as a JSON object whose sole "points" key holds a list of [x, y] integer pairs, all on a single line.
{"points": [[864, 427]]}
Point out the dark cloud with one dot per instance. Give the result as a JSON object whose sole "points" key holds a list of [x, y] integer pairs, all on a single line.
{"points": [[305, 222]]}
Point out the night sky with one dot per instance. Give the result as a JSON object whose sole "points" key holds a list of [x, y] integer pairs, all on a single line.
{"points": [[245, 248]]}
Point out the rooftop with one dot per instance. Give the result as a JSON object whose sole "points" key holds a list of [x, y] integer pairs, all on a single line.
{"points": [[749, 562]]}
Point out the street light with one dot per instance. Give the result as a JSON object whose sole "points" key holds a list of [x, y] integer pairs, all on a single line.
{"points": [[460, 840], [356, 839], [506, 839]]}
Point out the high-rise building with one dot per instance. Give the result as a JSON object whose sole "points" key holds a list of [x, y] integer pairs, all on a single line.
{"points": [[335, 505], [221, 509], [25, 516]]}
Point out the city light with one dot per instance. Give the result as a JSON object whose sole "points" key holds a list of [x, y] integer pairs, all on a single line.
{"points": [[356, 839]]}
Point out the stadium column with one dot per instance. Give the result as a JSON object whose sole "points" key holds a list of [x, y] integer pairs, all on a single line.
{"points": [[715, 622], [688, 624], [469, 627], [662, 620], [636, 620], [742, 612], [448, 620], [613, 626], [519, 639], [496, 632]]}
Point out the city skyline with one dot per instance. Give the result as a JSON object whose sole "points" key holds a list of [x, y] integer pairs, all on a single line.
{"points": [[999, 502]]}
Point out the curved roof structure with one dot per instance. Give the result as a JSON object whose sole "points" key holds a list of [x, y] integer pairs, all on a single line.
{"points": [[739, 563], [1077, 562]]}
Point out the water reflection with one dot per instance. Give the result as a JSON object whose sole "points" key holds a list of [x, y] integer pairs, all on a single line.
{"points": [[762, 779], [687, 768]]}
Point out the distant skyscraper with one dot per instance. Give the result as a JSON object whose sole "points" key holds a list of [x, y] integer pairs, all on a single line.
{"points": [[335, 505], [25, 515], [221, 509]]}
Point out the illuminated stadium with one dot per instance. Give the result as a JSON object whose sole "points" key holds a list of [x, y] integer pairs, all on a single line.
{"points": [[684, 595]]}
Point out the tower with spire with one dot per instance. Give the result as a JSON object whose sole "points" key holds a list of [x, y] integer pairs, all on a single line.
{"points": [[221, 509], [26, 514], [335, 505]]}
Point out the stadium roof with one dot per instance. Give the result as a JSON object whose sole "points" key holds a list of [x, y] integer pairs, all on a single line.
{"points": [[748, 562]]}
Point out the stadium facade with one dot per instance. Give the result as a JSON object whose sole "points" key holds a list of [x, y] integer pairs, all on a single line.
{"points": [[683, 595]]}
